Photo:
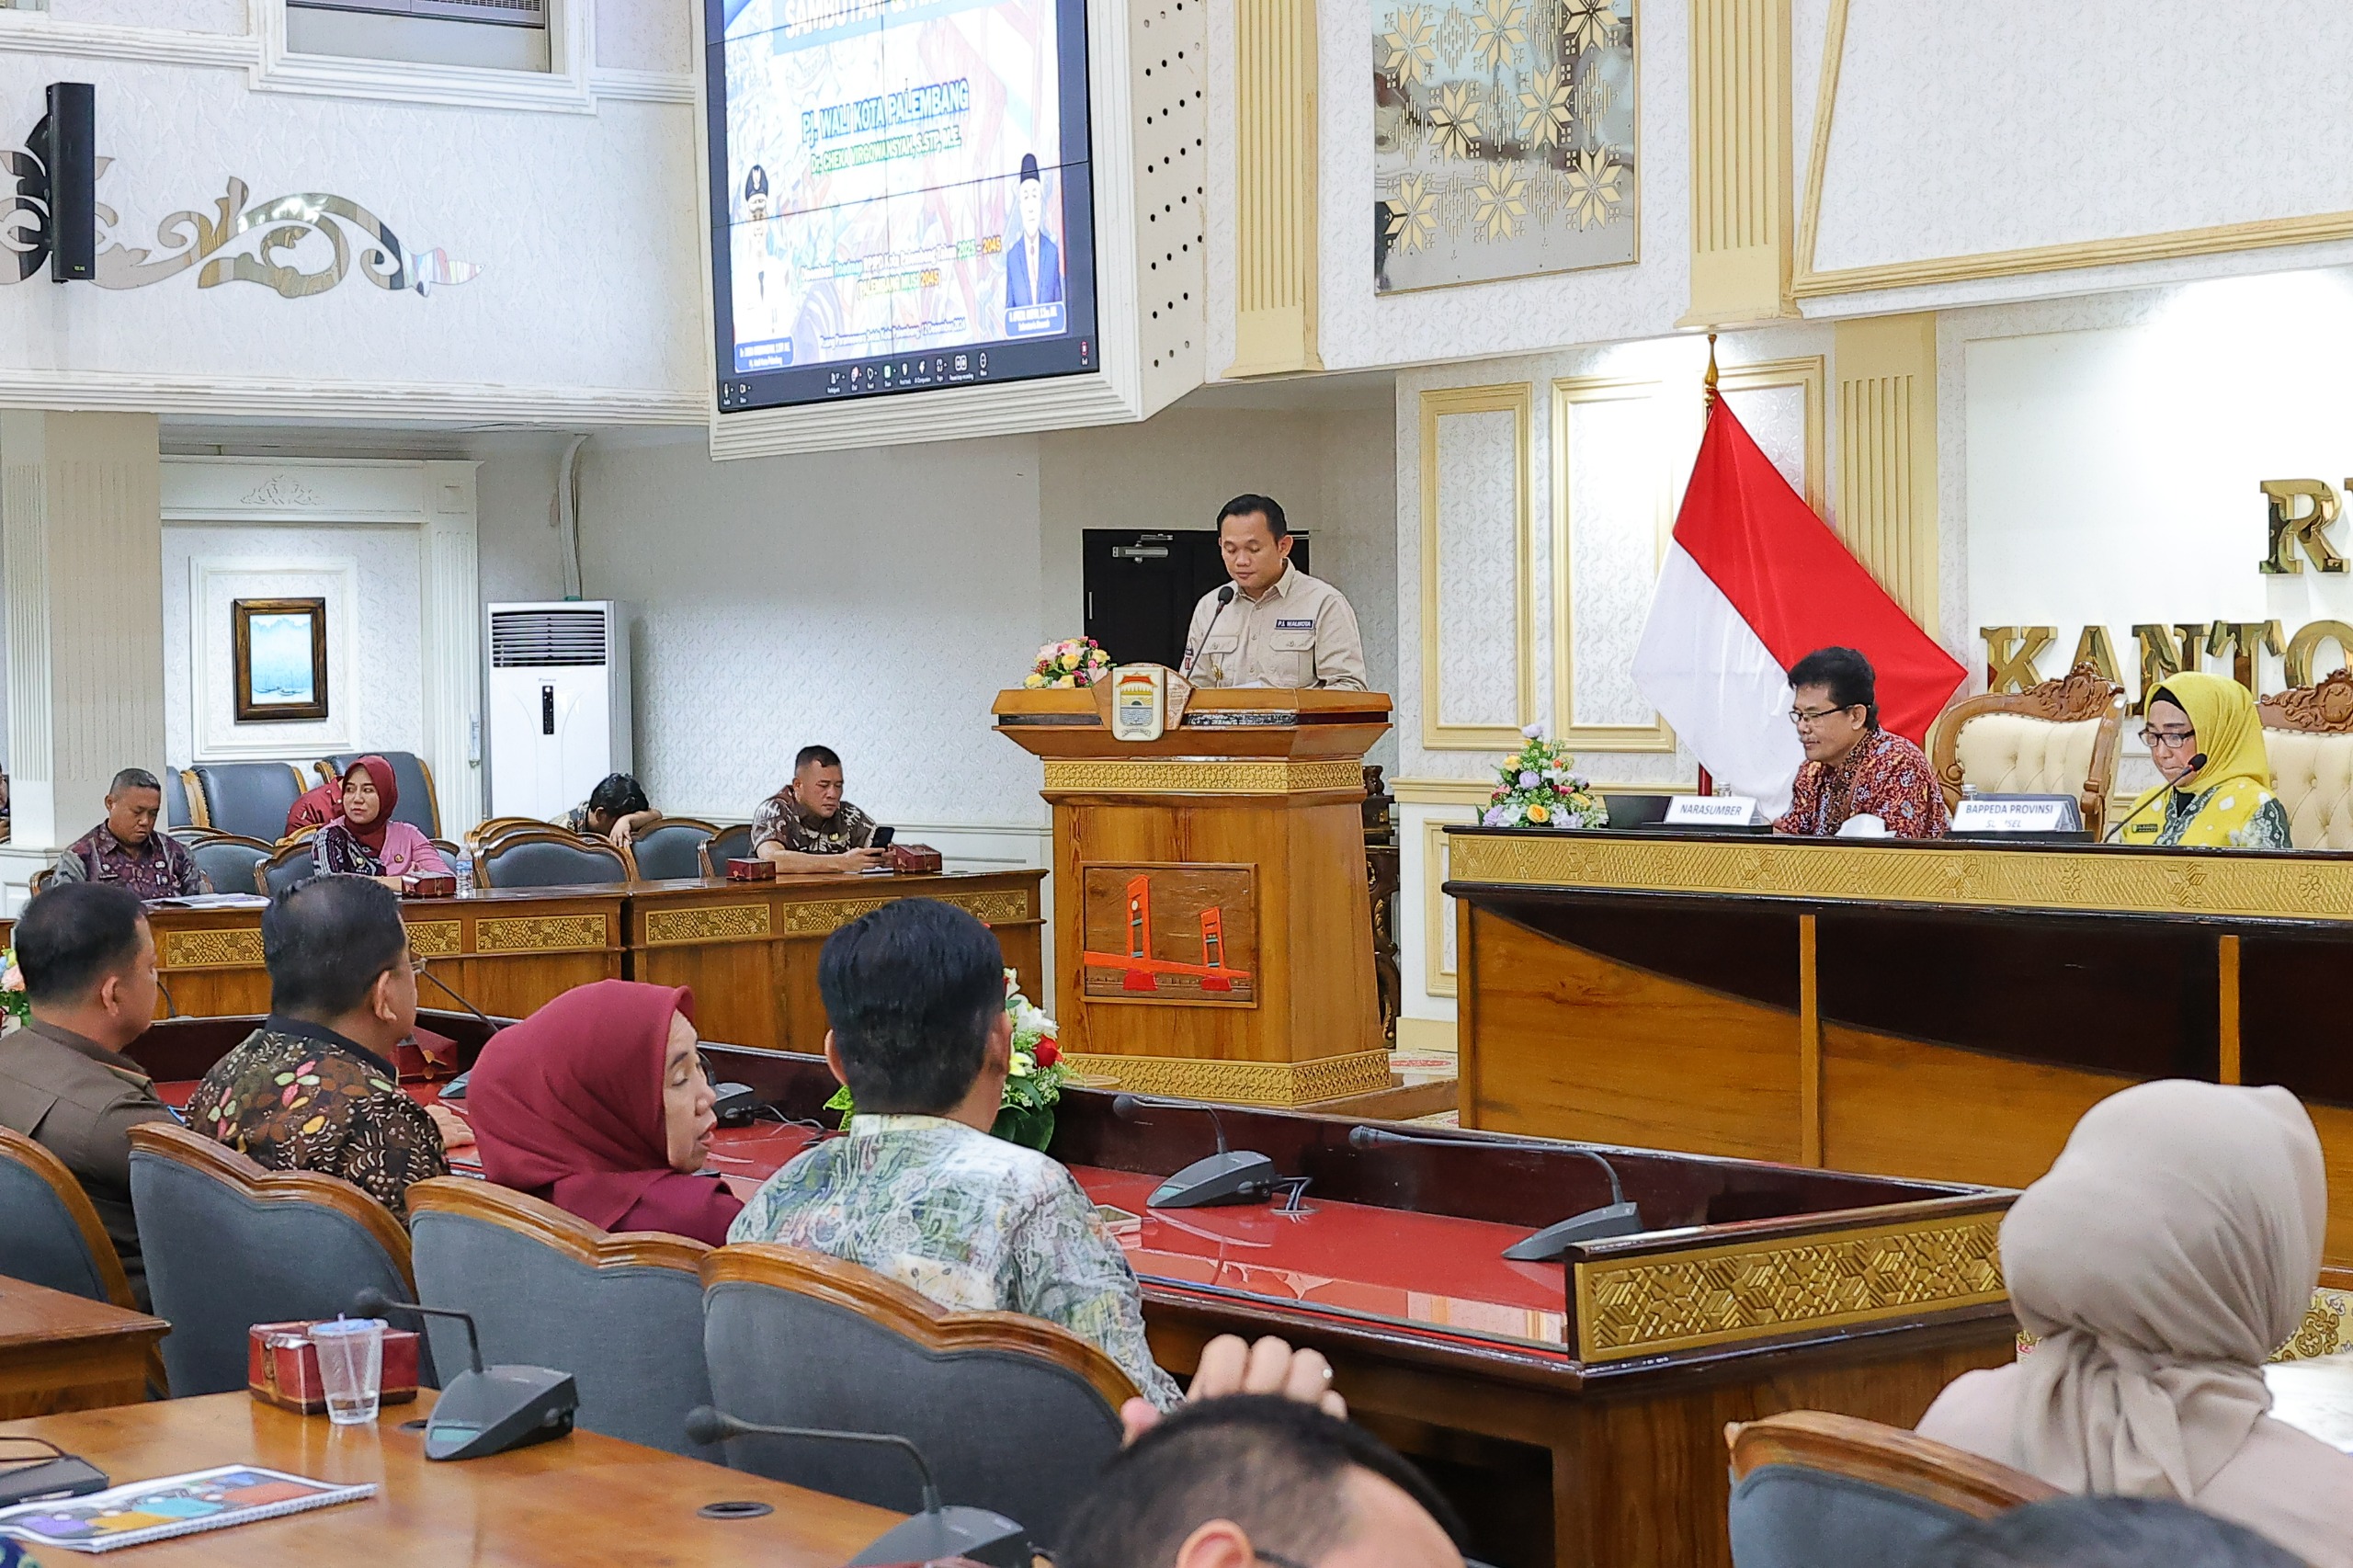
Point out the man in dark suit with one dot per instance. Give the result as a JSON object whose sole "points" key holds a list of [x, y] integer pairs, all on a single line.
{"points": [[1033, 266]]}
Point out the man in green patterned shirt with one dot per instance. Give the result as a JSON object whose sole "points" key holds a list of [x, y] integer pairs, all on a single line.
{"points": [[917, 1190]]}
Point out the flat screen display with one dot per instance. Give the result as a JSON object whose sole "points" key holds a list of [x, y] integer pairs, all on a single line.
{"points": [[900, 194]]}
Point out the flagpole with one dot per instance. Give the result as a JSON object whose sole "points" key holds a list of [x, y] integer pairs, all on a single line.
{"points": [[1708, 380]]}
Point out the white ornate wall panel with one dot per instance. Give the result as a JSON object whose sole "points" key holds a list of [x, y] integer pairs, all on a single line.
{"points": [[214, 569], [1611, 514], [1477, 545]]}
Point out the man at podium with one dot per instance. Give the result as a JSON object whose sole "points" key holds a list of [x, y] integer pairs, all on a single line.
{"points": [[1273, 625]]}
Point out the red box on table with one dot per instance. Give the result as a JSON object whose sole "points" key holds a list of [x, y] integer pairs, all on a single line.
{"points": [[753, 871], [282, 1367], [428, 887], [910, 858]]}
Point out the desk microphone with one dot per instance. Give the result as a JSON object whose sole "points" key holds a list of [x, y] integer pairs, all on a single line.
{"points": [[1617, 1217], [1224, 598], [935, 1533], [488, 1410], [455, 1089], [168, 1001], [2196, 762], [1227, 1177]]}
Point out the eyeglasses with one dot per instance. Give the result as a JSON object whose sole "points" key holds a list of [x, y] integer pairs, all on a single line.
{"points": [[2172, 740], [1800, 718]]}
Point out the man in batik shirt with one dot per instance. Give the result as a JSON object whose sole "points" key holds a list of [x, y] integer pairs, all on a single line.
{"points": [[807, 826], [314, 1088], [1852, 767], [917, 1190], [129, 848]]}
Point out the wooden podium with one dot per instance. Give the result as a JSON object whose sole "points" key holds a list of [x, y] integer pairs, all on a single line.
{"points": [[1212, 927]]}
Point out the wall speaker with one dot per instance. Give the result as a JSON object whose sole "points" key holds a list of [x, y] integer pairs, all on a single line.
{"points": [[66, 143]]}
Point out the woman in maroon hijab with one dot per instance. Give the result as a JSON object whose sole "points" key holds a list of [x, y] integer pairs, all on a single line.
{"points": [[363, 840], [598, 1103]]}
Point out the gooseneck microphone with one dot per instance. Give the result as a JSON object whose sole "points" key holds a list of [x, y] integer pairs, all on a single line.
{"points": [[2196, 762], [1235, 1175], [487, 1410], [1224, 598], [1616, 1218], [936, 1532]]}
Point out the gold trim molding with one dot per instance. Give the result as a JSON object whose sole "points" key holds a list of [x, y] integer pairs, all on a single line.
{"points": [[2106, 881], [1740, 161], [1652, 1302], [1240, 1083], [817, 917], [1202, 776], [543, 934], [1274, 197], [230, 948], [435, 938], [1436, 979], [1517, 400], [705, 923]]}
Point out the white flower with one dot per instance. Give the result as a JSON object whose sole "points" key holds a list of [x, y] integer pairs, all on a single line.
{"points": [[1529, 779], [1534, 732]]}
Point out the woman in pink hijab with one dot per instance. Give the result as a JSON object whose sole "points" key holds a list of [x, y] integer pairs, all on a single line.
{"points": [[598, 1103], [2170, 1249]]}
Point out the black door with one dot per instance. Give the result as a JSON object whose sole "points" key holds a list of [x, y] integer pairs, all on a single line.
{"points": [[1142, 587]]}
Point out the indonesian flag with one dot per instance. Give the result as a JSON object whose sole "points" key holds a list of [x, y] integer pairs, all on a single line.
{"points": [[1753, 582]]}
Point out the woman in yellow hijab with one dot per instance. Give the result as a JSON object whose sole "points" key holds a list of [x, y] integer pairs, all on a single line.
{"points": [[2204, 734]]}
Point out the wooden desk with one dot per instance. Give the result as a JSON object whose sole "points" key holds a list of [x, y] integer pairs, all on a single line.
{"points": [[579, 1501], [61, 1352], [750, 949], [1943, 1011]]}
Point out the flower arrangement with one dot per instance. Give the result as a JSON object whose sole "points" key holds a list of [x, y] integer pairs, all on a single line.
{"points": [[1032, 1087], [1536, 788], [1074, 661], [15, 1007]]}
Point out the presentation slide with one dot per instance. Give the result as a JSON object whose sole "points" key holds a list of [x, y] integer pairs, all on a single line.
{"points": [[905, 196]]}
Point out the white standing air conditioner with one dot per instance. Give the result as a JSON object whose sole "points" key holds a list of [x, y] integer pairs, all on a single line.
{"points": [[558, 703]]}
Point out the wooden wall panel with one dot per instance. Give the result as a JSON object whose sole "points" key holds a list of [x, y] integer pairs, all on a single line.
{"points": [[2335, 1124]]}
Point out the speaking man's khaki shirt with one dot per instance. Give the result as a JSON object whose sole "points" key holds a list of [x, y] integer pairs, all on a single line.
{"points": [[1301, 633], [80, 1101]]}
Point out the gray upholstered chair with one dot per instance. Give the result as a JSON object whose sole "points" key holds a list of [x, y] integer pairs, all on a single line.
{"points": [[49, 1232], [733, 842], [248, 799], [797, 1339], [550, 858], [420, 804], [288, 864], [1813, 1490], [229, 1244], [671, 849], [621, 1313], [176, 812], [228, 860]]}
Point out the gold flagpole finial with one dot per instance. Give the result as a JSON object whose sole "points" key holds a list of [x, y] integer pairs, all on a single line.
{"points": [[1708, 380]]}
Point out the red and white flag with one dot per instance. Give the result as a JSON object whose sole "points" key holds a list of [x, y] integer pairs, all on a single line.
{"points": [[1753, 582]]}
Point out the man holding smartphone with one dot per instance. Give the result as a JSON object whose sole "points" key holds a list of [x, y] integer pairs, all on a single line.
{"points": [[807, 826]]}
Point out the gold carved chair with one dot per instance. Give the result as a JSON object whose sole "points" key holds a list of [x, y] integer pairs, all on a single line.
{"points": [[2058, 738], [2308, 733]]}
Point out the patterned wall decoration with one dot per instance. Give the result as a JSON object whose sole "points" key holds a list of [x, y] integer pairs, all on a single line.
{"points": [[1503, 140]]}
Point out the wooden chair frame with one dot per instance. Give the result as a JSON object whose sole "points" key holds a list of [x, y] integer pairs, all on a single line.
{"points": [[1883, 1456], [559, 1229], [2323, 708], [914, 1315], [484, 833], [702, 857], [15, 1145], [224, 1164], [288, 848], [2082, 693], [711, 868], [324, 768], [543, 834]]}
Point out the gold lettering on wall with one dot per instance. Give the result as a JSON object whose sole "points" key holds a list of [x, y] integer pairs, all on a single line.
{"points": [[2307, 642], [2009, 655], [2294, 524], [2093, 648], [2160, 657], [2243, 639]]}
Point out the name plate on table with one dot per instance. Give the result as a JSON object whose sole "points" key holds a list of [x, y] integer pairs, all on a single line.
{"points": [[1713, 811], [2003, 815]]}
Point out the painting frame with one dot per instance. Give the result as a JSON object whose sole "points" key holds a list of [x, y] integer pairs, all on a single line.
{"points": [[250, 706]]}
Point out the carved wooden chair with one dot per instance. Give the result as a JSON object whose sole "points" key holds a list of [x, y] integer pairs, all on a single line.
{"points": [[670, 850], [2308, 733], [1814, 1490], [288, 863], [733, 842], [621, 1313], [795, 1338], [550, 857], [2058, 738], [229, 1244], [490, 830]]}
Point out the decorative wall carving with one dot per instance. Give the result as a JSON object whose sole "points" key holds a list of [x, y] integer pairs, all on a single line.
{"points": [[212, 949], [706, 923], [819, 917], [435, 938], [543, 934], [1240, 1083]]}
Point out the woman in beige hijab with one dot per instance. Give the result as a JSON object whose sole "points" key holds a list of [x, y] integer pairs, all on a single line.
{"points": [[2170, 1249]]}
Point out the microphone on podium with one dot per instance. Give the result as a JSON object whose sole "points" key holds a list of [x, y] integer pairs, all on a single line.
{"points": [[1616, 1218], [2196, 762], [934, 1533], [1192, 655], [487, 1410], [1235, 1175]]}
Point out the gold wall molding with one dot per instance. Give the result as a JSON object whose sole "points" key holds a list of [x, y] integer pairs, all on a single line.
{"points": [[1653, 1302], [705, 923], [2253, 886], [233, 948], [543, 934], [1807, 282], [435, 938], [1515, 399], [1437, 980], [1569, 394], [1741, 196], [1202, 776], [1442, 792], [1886, 504], [816, 917], [1275, 218], [1240, 1083]]}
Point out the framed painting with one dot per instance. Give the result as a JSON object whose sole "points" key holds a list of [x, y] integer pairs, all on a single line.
{"points": [[1158, 932], [281, 659]]}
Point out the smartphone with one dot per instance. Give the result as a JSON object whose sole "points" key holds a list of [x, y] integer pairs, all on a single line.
{"points": [[882, 836]]}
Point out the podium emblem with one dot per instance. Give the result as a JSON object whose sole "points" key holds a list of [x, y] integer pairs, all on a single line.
{"points": [[1170, 933]]}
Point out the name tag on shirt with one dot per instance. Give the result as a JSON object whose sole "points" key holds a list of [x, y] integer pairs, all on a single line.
{"points": [[1294, 626]]}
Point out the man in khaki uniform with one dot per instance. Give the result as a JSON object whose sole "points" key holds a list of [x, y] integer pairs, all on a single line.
{"points": [[89, 962], [1274, 625]]}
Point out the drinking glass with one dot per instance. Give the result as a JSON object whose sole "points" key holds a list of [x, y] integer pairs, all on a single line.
{"points": [[352, 1367]]}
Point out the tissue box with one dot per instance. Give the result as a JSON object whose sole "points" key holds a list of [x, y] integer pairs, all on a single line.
{"points": [[428, 887], [282, 1367], [752, 871], [910, 858]]}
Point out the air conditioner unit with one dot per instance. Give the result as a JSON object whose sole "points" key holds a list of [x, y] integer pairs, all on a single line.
{"points": [[504, 13], [558, 703]]}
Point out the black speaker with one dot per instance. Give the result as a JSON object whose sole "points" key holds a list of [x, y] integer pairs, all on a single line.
{"points": [[66, 143]]}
